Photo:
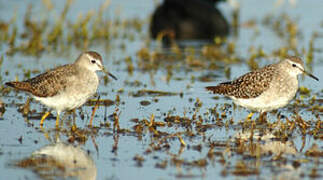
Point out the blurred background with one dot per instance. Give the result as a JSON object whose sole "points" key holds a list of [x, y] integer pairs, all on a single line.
{"points": [[157, 121]]}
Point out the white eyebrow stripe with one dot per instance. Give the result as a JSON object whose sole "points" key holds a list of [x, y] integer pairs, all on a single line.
{"points": [[97, 60], [89, 56], [299, 66]]}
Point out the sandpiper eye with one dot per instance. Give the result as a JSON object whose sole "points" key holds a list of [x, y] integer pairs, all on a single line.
{"points": [[294, 65], [93, 61]]}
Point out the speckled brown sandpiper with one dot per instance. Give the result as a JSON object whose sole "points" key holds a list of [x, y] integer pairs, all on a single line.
{"points": [[66, 87], [265, 89]]}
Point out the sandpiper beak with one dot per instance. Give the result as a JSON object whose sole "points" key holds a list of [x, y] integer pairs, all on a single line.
{"points": [[310, 75], [111, 75]]}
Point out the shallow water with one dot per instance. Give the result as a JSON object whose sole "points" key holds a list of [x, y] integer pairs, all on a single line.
{"points": [[217, 137]]}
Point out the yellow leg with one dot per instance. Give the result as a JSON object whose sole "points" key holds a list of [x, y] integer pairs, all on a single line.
{"points": [[74, 117], [43, 118], [45, 133], [94, 110], [57, 119], [250, 115]]}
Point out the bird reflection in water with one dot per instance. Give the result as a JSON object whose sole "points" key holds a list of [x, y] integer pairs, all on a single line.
{"points": [[60, 160]]}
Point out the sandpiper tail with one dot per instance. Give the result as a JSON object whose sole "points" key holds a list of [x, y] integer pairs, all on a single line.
{"points": [[24, 86], [223, 88]]}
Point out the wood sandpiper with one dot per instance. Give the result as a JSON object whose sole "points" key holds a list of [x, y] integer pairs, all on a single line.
{"points": [[66, 87], [265, 89]]}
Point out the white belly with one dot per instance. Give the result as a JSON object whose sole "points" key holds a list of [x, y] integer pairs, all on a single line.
{"points": [[277, 96], [263, 104], [63, 102], [73, 96]]}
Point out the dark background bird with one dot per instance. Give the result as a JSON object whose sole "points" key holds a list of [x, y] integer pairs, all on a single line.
{"points": [[188, 19]]}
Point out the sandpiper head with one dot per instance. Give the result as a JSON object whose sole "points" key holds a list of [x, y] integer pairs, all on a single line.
{"points": [[295, 66], [93, 62]]}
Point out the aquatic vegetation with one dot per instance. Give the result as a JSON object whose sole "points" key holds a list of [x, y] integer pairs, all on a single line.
{"points": [[157, 114], [43, 35]]}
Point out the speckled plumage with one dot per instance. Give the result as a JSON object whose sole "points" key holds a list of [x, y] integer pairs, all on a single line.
{"points": [[47, 84], [249, 85], [265, 89]]}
